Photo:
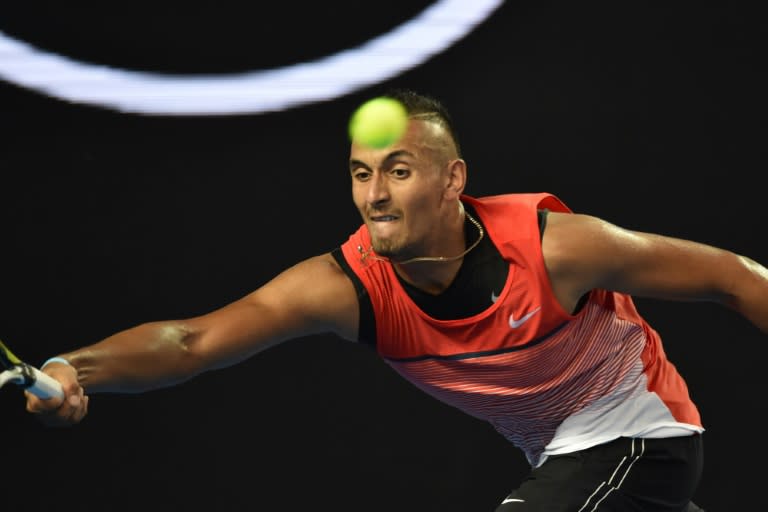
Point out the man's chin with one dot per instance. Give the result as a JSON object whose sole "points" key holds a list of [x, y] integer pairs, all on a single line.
{"points": [[391, 255], [384, 253], [385, 250]]}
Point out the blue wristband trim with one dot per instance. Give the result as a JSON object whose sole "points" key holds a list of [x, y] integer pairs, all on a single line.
{"points": [[55, 360]]}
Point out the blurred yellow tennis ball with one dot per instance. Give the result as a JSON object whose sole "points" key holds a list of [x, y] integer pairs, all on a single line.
{"points": [[378, 122]]}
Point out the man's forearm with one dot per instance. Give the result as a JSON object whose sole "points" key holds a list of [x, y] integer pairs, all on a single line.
{"points": [[148, 356]]}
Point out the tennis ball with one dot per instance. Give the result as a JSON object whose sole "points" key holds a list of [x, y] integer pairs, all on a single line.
{"points": [[378, 122]]}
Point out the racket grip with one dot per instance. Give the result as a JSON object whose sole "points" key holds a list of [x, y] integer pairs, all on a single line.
{"points": [[43, 385]]}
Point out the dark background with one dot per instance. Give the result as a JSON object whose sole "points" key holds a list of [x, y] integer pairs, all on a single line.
{"points": [[649, 115]]}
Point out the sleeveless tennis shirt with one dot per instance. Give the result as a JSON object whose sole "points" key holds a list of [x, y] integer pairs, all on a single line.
{"points": [[548, 381]]}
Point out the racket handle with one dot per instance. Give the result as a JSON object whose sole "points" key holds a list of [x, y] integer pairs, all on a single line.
{"points": [[43, 385]]}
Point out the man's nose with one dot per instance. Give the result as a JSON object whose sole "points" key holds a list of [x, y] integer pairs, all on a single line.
{"points": [[378, 190]]}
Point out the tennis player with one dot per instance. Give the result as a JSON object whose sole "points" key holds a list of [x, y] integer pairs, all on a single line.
{"points": [[511, 308]]}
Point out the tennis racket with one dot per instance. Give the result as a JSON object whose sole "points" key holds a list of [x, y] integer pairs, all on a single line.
{"points": [[28, 377]]}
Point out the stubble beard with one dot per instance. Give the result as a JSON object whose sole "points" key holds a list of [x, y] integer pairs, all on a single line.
{"points": [[394, 250], [385, 248]]}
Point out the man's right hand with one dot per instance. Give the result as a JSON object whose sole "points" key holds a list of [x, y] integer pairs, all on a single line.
{"points": [[60, 411]]}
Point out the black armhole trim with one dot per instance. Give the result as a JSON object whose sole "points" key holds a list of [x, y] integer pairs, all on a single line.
{"points": [[542, 224], [542, 221], [366, 329]]}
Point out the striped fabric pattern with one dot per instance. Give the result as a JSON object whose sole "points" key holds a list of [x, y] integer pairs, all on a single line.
{"points": [[527, 393]]}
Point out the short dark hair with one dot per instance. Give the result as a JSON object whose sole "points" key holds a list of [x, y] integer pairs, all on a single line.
{"points": [[426, 107]]}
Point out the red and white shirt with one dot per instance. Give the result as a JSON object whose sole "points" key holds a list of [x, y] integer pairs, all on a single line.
{"points": [[548, 381]]}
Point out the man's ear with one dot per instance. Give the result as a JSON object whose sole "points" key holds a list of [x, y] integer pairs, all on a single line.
{"points": [[457, 179]]}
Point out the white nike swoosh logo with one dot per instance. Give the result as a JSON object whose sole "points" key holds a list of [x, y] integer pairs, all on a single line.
{"points": [[510, 500], [517, 323], [494, 297]]}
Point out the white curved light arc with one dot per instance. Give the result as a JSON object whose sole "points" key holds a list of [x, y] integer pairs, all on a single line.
{"points": [[408, 45]]}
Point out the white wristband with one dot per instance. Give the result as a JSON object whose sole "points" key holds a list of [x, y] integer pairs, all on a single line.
{"points": [[55, 360]]}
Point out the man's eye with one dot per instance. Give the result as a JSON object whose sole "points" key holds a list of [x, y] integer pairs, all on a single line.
{"points": [[361, 175], [401, 173]]}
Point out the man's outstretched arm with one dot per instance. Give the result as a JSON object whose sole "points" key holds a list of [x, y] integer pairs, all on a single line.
{"points": [[311, 297]]}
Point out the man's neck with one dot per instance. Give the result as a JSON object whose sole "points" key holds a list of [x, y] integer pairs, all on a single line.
{"points": [[431, 277]]}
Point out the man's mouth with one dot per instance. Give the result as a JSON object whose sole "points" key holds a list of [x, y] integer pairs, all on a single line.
{"points": [[383, 218]]}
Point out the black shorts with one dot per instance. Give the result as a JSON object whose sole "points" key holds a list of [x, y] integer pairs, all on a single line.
{"points": [[643, 475]]}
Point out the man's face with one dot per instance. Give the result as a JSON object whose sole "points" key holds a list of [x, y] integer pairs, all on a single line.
{"points": [[400, 191]]}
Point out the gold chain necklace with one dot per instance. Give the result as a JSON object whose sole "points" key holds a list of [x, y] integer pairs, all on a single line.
{"points": [[481, 234]]}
